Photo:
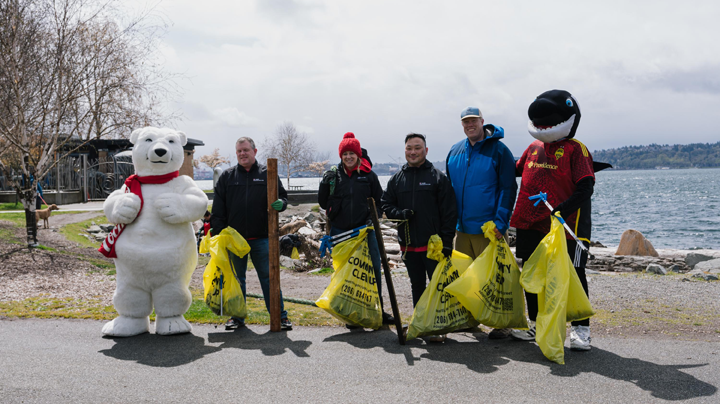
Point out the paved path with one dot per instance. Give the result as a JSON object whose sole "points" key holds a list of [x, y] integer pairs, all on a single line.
{"points": [[66, 361]]}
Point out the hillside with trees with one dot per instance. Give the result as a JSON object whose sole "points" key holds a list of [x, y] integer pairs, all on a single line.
{"points": [[695, 155]]}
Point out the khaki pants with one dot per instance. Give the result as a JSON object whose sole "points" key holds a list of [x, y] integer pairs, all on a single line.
{"points": [[471, 244]]}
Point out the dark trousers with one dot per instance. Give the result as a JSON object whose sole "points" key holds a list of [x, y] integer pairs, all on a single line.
{"points": [[420, 269], [527, 241]]}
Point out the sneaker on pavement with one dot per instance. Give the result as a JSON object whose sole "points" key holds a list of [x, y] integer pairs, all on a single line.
{"points": [[387, 319], [234, 323], [525, 335], [437, 338], [499, 333], [580, 338], [285, 324]]}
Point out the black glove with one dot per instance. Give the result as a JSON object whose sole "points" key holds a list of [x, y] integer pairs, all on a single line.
{"points": [[407, 214], [559, 208], [447, 251]]}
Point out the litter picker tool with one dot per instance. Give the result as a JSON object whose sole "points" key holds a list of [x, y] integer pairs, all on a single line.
{"points": [[542, 196], [328, 242], [386, 266]]}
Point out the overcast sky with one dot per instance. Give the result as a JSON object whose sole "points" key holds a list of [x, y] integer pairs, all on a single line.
{"points": [[642, 72]]}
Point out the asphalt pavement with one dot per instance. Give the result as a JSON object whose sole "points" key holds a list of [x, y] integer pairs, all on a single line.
{"points": [[67, 361]]}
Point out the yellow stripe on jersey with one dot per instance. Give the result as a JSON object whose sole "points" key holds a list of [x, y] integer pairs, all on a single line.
{"points": [[582, 146], [577, 222]]}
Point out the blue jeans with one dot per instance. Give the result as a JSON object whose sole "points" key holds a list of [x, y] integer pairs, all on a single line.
{"points": [[260, 255], [374, 256]]}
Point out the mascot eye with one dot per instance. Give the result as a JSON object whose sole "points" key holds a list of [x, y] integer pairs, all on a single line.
{"points": [[171, 141], [569, 102], [148, 140]]}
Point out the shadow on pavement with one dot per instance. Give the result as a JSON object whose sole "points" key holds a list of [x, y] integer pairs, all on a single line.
{"points": [[486, 356], [269, 343], [666, 382], [160, 351]]}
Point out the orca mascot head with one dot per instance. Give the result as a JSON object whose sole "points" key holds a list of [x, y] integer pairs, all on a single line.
{"points": [[554, 115]]}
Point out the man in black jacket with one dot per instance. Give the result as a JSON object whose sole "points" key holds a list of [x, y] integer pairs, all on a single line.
{"points": [[240, 202], [423, 195]]}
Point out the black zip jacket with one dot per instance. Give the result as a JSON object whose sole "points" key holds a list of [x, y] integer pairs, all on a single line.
{"points": [[426, 191], [240, 201], [348, 207]]}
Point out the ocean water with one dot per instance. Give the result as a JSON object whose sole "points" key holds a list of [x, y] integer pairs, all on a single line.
{"points": [[672, 208]]}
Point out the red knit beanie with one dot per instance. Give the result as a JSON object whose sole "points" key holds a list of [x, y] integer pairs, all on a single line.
{"points": [[349, 143]]}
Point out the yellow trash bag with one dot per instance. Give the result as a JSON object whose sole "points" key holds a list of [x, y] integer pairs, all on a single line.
{"points": [[295, 254], [550, 274], [437, 312], [222, 291], [490, 288], [352, 296]]}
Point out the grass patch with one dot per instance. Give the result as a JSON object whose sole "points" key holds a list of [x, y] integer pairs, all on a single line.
{"points": [[72, 232], [670, 317], [17, 218], [45, 248], [11, 206], [8, 236], [44, 307], [324, 271], [315, 208]]}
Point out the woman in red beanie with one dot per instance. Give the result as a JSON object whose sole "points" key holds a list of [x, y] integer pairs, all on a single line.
{"points": [[343, 193]]}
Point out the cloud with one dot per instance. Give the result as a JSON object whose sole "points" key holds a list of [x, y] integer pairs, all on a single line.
{"points": [[231, 116], [382, 69]]}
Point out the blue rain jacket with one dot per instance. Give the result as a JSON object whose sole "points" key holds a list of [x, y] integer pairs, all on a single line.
{"points": [[483, 177]]}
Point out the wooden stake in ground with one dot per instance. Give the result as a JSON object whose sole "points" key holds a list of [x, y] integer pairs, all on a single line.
{"points": [[274, 245], [386, 267]]}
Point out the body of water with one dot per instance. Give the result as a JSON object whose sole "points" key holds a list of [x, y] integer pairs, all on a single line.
{"points": [[672, 208]]}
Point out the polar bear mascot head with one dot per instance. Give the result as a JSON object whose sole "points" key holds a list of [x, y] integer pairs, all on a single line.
{"points": [[153, 242], [157, 151]]}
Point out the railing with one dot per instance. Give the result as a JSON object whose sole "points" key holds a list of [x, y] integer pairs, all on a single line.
{"points": [[65, 176]]}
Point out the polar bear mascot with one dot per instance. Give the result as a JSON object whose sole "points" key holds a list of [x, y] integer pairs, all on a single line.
{"points": [[153, 242]]}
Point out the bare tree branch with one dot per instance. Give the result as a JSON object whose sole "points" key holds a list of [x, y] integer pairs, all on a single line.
{"points": [[293, 149]]}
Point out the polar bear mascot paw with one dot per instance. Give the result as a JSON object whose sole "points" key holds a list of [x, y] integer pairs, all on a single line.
{"points": [[153, 243]]}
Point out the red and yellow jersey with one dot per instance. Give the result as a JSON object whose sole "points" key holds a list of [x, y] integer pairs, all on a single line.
{"points": [[553, 168]]}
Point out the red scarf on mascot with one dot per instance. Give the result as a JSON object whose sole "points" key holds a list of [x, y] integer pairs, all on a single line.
{"points": [[132, 184]]}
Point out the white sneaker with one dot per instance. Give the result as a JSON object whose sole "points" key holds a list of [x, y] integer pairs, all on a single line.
{"points": [[580, 338], [525, 335]]}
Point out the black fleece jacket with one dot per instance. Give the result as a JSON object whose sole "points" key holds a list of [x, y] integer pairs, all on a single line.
{"points": [[240, 201], [428, 193]]}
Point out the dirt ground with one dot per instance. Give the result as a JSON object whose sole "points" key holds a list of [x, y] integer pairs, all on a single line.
{"points": [[634, 304]]}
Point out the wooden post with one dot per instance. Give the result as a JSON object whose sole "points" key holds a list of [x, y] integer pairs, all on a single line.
{"points": [[386, 267], [274, 245]]}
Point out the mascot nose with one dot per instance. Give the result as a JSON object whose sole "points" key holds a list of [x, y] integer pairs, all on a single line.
{"points": [[160, 152]]}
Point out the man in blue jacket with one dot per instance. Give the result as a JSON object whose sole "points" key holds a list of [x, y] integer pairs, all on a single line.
{"points": [[482, 172]]}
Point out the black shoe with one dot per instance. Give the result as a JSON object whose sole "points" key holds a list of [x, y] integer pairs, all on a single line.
{"points": [[352, 327], [285, 324], [499, 333], [388, 319], [234, 323]]}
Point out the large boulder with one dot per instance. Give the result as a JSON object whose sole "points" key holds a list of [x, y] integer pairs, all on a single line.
{"points": [[633, 242], [693, 259], [710, 267], [656, 269]]}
